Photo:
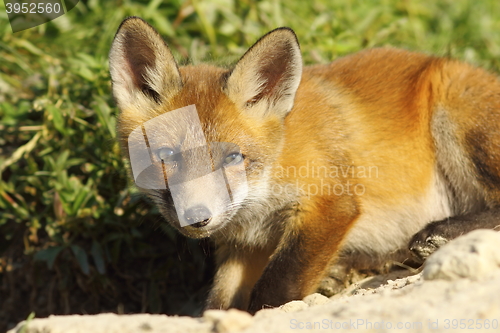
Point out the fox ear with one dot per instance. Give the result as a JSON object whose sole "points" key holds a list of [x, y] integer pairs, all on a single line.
{"points": [[143, 70], [266, 78]]}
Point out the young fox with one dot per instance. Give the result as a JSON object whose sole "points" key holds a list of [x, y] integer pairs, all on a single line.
{"points": [[311, 166]]}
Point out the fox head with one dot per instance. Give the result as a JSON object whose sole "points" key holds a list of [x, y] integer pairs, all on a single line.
{"points": [[202, 140]]}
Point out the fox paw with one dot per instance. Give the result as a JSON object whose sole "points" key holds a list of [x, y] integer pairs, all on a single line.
{"points": [[432, 237]]}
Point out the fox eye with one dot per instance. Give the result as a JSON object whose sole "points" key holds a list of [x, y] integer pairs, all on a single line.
{"points": [[165, 154], [233, 158]]}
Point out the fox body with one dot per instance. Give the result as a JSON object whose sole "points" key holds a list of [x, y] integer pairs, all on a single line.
{"points": [[343, 161]]}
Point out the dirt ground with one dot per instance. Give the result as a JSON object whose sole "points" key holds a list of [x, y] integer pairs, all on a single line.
{"points": [[150, 282], [457, 290]]}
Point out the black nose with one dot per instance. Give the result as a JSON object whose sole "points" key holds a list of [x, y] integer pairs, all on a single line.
{"points": [[198, 216]]}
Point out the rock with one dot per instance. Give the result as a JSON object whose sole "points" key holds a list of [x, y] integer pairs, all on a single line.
{"points": [[473, 255], [113, 323], [315, 299], [294, 306], [233, 321], [214, 316], [266, 313]]}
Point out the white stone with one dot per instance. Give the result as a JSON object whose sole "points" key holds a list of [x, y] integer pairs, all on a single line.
{"points": [[266, 313], [214, 315], [234, 321], [294, 306], [474, 255], [316, 299]]}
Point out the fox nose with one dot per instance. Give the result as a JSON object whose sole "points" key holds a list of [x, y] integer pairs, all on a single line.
{"points": [[198, 216]]}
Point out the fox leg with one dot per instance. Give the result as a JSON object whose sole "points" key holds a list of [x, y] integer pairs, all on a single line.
{"points": [[238, 268], [438, 233], [303, 254]]}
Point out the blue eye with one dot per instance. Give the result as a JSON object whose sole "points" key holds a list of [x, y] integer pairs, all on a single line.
{"points": [[233, 158], [165, 154]]}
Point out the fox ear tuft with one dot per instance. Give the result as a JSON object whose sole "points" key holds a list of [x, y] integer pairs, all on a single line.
{"points": [[266, 78], [143, 70]]}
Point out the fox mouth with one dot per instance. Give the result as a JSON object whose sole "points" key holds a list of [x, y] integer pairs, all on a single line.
{"points": [[201, 224]]}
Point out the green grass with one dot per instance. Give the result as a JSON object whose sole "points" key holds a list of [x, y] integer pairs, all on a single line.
{"points": [[65, 199]]}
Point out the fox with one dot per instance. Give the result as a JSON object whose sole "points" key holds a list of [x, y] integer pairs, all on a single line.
{"points": [[385, 154]]}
